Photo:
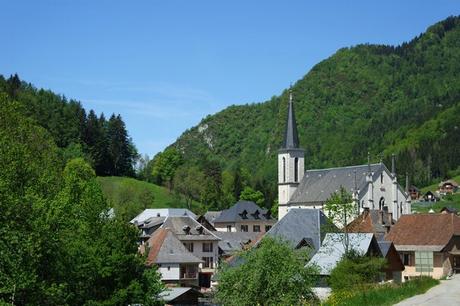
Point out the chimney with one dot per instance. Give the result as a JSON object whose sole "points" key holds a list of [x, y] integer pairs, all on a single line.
{"points": [[380, 212], [390, 218]]}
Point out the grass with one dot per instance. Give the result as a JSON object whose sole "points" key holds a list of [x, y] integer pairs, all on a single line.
{"points": [[449, 201], [382, 295], [434, 187], [129, 196]]}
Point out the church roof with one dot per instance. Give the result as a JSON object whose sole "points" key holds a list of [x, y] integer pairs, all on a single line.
{"points": [[291, 138], [318, 185]]}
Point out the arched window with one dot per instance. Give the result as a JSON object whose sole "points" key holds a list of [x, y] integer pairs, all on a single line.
{"points": [[381, 178], [284, 170], [296, 169], [381, 203]]}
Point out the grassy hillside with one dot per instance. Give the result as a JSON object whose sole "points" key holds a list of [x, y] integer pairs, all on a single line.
{"points": [[129, 196], [383, 99], [447, 201]]}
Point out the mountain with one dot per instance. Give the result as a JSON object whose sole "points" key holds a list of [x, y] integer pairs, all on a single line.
{"points": [[104, 143], [378, 98]]}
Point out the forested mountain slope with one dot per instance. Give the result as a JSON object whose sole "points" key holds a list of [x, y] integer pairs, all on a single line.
{"points": [[378, 98], [105, 143]]}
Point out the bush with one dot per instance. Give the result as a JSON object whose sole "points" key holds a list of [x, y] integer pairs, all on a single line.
{"points": [[355, 270]]}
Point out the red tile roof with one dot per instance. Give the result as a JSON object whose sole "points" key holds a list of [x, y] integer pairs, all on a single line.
{"points": [[424, 229]]}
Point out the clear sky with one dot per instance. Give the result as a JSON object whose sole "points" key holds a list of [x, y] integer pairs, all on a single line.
{"points": [[164, 65]]}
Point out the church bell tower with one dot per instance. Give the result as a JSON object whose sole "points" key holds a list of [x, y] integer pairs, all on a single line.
{"points": [[291, 162]]}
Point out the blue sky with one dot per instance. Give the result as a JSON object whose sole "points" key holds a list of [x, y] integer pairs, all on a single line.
{"points": [[164, 65]]}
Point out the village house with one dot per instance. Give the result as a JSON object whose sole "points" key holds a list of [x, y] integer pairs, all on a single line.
{"points": [[333, 249], [233, 242], [429, 196], [414, 193], [175, 263], [447, 187], [393, 269], [199, 241], [372, 186], [429, 244], [244, 216]]}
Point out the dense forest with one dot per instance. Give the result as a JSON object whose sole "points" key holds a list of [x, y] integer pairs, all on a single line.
{"points": [[378, 98], [60, 244], [104, 143]]}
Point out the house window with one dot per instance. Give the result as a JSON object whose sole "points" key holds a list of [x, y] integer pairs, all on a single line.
{"points": [[284, 170], [406, 259], [244, 228], [423, 261], [169, 268], [229, 228], [189, 246], [208, 262], [267, 227], [207, 247], [296, 169], [256, 228]]}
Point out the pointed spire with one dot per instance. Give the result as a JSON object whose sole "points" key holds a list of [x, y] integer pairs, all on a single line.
{"points": [[393, 165], [291, 138]]}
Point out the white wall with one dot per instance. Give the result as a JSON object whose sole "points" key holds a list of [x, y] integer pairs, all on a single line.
{"points": [[172, 274], [198, 251]]}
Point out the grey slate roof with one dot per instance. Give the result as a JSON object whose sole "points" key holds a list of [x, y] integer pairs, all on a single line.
{"points": [[173, 251], [234, 241], [384, 246], [196, 231], [161, 212], [291, 138], [212, 215], [172, 293], [299, 224], [236, 213], [333, 249], [318, 185]]}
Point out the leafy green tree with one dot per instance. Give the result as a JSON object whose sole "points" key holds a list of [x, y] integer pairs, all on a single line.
{"points": [[340, 208], [355, 270], [188, 182], [271, 274], [165, 165], [250, 194]]}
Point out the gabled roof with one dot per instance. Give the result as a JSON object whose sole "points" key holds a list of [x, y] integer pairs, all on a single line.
{"points": [[234, 241], [450, 182], [291, 137], [318, 185], [161, 212], [187, 228], [333, 249], [212, 215], [299, 224], [164, 247], [424, 231], [172, 293], [243, 211], [372, 221]]}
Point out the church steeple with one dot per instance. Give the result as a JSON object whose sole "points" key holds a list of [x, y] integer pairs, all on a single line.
{"points": [[291, 138]]}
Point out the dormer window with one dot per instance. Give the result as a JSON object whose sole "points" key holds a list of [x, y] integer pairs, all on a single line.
{"points": [[199, 229], [244, 214], [186, 229], [256, 214]]}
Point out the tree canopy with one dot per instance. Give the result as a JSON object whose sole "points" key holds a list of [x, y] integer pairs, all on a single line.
{"points": [[59, 244], [270, 274]]}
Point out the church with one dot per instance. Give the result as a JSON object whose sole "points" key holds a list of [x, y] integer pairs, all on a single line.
{"points": [[372, 186]]}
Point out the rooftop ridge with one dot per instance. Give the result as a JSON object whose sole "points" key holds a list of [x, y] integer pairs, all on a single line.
{"points": [[345, 167]]}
